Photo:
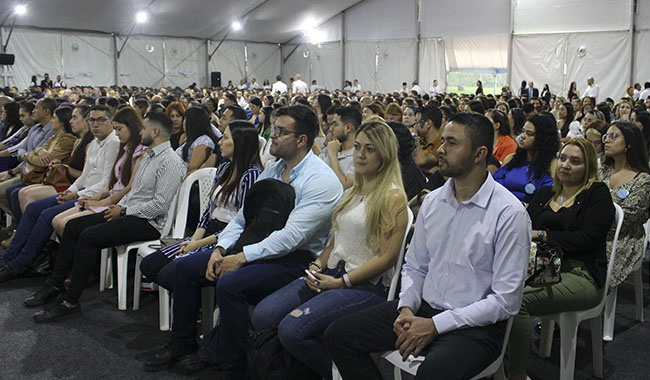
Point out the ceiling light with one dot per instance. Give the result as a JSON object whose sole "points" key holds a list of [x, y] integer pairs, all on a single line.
{"points": [[141, 17], [314, 36], [236, 26], [20, 9]]}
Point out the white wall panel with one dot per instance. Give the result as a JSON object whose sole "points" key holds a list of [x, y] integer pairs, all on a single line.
{"points": [[182, 62], [297, 63], [642, 57], [141, 62], [432, 63], [539, 58], [332, 29], [360, 63], [477, 52], [381, 20], [643, 15], [229, 60], [560, 16], [395, 64], [263, 61], [326, 65], [464, 18], [36, 53], [607, 60], [88, 60]]}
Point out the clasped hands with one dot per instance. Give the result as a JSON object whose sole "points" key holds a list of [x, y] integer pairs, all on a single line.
{"points": [[218, 265], [321, 281], [413, 333]]}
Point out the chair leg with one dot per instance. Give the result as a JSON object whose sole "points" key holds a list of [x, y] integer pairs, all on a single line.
{"points": [[397, 373], [103, 263], [638, 293], [568, 338], [207, 309], [163, 309], [500, 373], [597, 346], [137, 283], [122, 268], [610, 315], [546, 338]]}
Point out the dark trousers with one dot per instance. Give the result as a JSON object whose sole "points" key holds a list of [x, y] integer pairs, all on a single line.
{"points": [[82, 242], [33, 231], [235, 291], [12, 197], [459, 354], [160, 269]]}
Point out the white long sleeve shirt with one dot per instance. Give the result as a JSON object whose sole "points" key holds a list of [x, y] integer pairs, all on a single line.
{"points": [[468, 259], [96, 174]]}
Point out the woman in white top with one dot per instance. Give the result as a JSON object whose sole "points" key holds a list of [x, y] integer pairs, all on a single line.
{"points": [[352, 273], [200, 141]]}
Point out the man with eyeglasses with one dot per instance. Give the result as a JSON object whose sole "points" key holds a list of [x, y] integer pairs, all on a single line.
{"points": [[35, 227], [139, 216], [246, 277], [427, 125], [338, 153]]}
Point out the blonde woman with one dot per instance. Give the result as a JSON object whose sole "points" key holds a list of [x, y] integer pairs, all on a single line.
{"points": [[352, 273]]}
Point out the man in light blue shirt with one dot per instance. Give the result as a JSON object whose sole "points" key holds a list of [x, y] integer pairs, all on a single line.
{"points": [[463, 276], [246, 277]]}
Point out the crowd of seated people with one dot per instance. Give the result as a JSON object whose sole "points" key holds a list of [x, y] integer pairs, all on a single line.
{"points": [[99, 167]]}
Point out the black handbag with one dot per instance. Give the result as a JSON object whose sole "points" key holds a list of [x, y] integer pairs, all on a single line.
{"points": [[544, 265]]}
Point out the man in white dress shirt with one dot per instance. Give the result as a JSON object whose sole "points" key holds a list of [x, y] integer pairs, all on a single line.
{"points": [[299, 86], [279, 86], [434, 89], [645, 94], [463, 276], [593, 90]]}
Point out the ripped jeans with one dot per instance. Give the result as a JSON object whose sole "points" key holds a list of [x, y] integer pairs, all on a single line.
{"points": [[302, 316]]}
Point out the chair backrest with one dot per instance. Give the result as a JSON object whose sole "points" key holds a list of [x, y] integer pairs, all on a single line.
{"points": [[400, 259], [646, 228], [170, 216], [205, 177], [612, 257]]}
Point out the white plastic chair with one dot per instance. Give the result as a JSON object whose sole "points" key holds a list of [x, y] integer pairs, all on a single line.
{"points": [[106, 266], [412, 363], [610, 303], [569, 321], [205, 178], [392, 290]]}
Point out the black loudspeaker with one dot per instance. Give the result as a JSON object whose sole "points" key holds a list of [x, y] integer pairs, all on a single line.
{"points": [[7, 59], [215, 79]]}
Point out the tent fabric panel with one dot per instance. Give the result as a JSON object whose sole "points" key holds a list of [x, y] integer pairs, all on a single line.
{"points": [[381, 20], [395, 64], [263, 61], [36, 53], [477, 52], [141, 62], [432, 63], [611, 51], [539, 58], [643, 15], [360, 63], [182, 62], [88, 60], [326, 65], [454, 20], [229, 60], [642, 57], [562, 16]]}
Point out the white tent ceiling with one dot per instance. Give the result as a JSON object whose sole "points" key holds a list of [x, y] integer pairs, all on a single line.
{"points": [[263, 20]]}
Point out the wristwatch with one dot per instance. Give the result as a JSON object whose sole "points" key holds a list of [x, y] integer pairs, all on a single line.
{"points": [[541, 234], [123, 212]]}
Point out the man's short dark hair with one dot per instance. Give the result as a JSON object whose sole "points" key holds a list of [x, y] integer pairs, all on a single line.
{"points": [[646, 85], [112, 102], [528, 107], [28, 106], [432, 113], [351, 115], [478, 128], [163, 120], [477, 106], [141, 103], [50, 105], [99, 107], [305, 121], [278, 77], [238, 113], [230, 96]]}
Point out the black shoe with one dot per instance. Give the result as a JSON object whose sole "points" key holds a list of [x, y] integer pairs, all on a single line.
{"points": [[168, 355], [58, 312], [43, 295], [189, 364], [7, 274]]}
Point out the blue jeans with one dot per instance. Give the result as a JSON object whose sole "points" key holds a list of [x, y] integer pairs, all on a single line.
{"points": [[12, 198], [33, 231], [302, 316]]}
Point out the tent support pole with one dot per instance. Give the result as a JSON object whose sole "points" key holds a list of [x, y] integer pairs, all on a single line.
{"points": [[11, 31], [510, 43], [417, 46], [632, 32], [290, 53], [115, 59], [218, 46], [208, 76], [119, 51], [342, 48]]}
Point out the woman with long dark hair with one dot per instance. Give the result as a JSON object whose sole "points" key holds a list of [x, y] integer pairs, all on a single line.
{"points": [[412, 177], [200, 141], [642, 120], [625, 171], [573, 91], [529, 168], [176, 111], [503, 143], [516, 119], [264, 128], [234, 177], [568, 127], [127, 125], [10, 119]]}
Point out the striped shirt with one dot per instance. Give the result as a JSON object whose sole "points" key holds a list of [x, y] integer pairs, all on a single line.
{"points": [[156, 182]]}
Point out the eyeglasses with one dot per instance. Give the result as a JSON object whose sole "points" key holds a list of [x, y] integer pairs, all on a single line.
{"points": [[421, 121], [280, 131], [611, 136], [99, 120]]}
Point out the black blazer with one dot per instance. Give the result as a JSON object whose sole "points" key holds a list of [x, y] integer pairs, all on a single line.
{"points": [[589, 220]]}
